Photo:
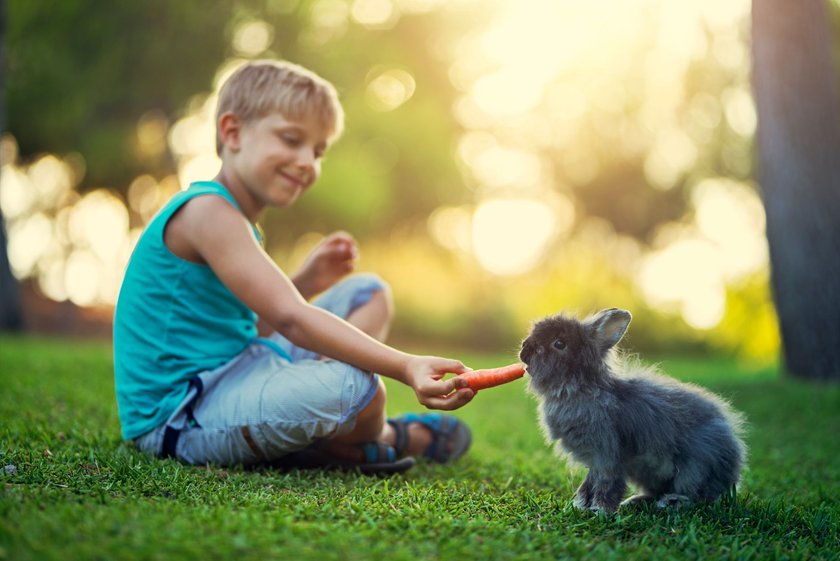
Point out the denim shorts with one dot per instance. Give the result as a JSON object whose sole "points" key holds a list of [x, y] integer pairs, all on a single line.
{"points": [[272, 399]]}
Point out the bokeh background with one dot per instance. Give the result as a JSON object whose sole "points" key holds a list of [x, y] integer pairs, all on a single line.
{"points": [[503, 160]]}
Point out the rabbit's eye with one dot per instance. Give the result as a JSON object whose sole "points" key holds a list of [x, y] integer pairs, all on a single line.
{"points": [[559, 344]]}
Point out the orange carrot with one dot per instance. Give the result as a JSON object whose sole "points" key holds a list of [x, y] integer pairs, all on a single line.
{"points": [[489, 377]]}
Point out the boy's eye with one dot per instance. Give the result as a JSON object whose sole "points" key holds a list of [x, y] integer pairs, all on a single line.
{"points": [[291, 140]]}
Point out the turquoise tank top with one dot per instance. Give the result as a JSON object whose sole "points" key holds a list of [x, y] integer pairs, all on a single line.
{"points": [[173, 319]]}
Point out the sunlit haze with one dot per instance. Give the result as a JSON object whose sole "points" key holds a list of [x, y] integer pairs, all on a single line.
{"points": [[546, 89]]}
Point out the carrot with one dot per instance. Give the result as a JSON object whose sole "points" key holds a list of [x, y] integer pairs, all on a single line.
{"points": [[489, 377]]}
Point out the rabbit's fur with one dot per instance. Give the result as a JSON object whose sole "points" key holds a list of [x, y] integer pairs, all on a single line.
{"points": [[676, 442]]}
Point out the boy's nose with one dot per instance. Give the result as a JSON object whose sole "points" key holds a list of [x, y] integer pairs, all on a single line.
{"points": [[306, 159]]}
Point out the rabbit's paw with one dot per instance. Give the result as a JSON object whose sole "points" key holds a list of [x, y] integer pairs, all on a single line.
{"points": [[584, 495], [636, 501], [597, 507], [673, 500]]}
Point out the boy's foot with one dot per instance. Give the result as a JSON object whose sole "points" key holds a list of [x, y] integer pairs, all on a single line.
{"points": [[437, 437], [380, 459]]}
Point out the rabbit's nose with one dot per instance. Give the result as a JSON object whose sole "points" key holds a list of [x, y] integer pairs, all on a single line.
{"points": [[525, 353]]}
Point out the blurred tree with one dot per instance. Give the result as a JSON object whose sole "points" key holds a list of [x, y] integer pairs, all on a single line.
{"points": [[10, 310], [796, 92], [82, 72]]}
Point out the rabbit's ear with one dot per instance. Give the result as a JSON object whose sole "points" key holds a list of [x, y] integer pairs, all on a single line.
{"points": [[608, 326]]}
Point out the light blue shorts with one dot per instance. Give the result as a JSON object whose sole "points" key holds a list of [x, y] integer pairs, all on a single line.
{"points": [[272, 399]]}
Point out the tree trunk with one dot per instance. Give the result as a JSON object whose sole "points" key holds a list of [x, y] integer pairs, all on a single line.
{"points": [[11, 317], [796, 91]]}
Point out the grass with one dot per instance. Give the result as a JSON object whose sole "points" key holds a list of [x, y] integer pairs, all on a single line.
{"points": [[77, 492]]}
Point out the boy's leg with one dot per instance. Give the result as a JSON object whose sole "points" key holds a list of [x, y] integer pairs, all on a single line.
{"points": [[375, 316], [371, 426], [259, 408]]}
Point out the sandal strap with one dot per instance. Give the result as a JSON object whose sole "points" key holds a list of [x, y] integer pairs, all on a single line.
{"points": [[377, 453], [437, 449], [439, 425], [442, 428], [401, 431]]}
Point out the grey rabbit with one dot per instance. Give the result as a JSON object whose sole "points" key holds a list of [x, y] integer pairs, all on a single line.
{"points": [[676, 442]]}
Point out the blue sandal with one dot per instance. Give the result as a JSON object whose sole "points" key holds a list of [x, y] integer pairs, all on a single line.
{"points": [[451, 438]]}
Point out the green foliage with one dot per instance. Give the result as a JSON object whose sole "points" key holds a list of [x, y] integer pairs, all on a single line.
{"points": [[81, 74], [79, 493]]}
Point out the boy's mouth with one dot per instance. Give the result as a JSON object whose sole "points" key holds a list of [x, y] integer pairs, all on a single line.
{"points": [[294, 181]]}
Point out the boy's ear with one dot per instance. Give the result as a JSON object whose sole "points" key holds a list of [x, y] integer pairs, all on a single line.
{"points": [[230, 128]]}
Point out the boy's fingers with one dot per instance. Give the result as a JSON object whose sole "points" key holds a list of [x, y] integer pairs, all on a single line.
{"points": [[457, 367], [450, 402], [446, 387]]}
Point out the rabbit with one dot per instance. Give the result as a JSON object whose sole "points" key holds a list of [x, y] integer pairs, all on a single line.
{"points": [[676, 442]]}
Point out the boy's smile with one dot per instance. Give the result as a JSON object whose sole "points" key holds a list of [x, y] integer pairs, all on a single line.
{"points": [[272, 160]]}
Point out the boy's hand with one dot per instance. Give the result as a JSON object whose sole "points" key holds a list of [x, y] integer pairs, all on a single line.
{"points": [[424, 375], [326, 264]]}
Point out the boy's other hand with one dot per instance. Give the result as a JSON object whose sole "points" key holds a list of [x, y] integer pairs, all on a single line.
{"points": [[425, 375], [332, 259]]}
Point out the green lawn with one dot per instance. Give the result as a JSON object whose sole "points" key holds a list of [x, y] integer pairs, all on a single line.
{"points": [[78, 493]]}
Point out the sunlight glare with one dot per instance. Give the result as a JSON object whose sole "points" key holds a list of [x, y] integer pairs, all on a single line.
{"points": [[731, 215], [451, 227], [505, 167], [419, 6], [375, 14], [29, 239], [194, 134], [330, 19], [99, 221], [740, 111], [17, 196], [82, 275], [672, 154], [52, 180], [143, 196], [687, 274], [507, 92], [510, 235], [198, 168], [252, 37], [388, 89], [151, 133], [51, 281]]}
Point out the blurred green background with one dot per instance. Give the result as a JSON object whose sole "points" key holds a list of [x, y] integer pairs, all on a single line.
{"points": [[502, 160]]}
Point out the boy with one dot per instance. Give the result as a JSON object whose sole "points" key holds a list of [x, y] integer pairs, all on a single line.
{"points": [[220, 358]]}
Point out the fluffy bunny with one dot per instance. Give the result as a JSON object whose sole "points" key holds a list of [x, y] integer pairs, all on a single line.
{"points": [[674, 441]]}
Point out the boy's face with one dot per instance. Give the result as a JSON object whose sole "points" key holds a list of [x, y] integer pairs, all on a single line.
{"points": [[277, 159]]}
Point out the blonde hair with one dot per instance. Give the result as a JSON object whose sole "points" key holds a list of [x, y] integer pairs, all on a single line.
{"points": [[264, 86]]}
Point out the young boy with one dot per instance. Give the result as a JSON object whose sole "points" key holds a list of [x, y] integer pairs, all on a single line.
{"points": [[220, 358]]}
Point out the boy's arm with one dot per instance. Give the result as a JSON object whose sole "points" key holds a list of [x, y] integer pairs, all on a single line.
{"points": [[222, 236]]}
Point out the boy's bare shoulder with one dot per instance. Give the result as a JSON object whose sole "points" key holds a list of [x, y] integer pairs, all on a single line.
{"points": [[197, 221]]}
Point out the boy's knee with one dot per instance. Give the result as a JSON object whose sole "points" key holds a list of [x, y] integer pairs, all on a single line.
{"points": [[365, 287], [377, 404], [365, 284]]}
